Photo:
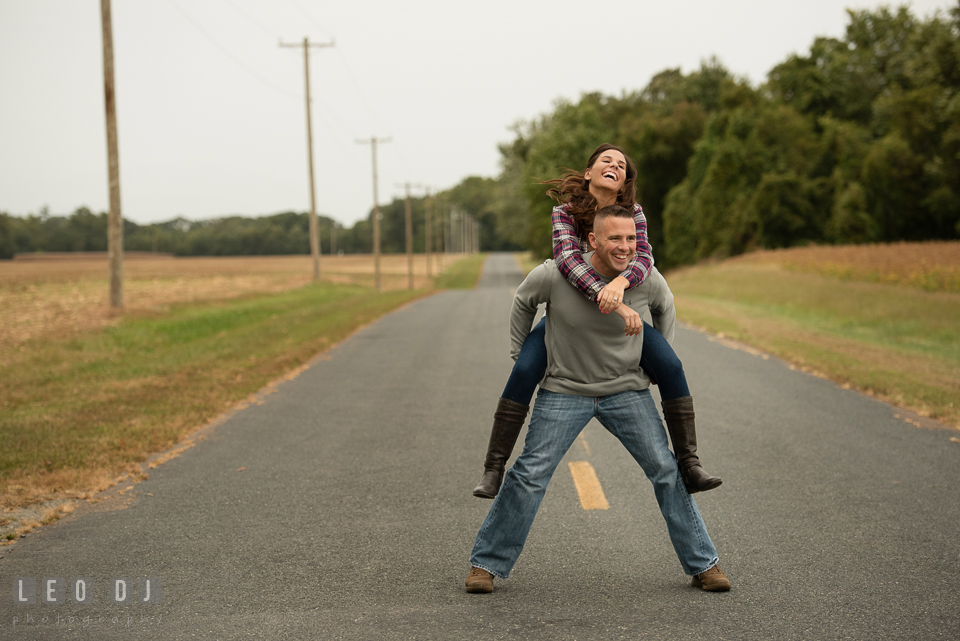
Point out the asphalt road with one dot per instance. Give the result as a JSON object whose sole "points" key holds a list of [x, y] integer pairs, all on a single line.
{"points": [[340, 508]]}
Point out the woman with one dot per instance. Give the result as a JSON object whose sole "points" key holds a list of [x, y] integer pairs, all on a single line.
{"points": [[610, 178]]}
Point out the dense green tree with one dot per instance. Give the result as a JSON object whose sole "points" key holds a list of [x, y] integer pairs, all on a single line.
{"points": [[855, 142]]}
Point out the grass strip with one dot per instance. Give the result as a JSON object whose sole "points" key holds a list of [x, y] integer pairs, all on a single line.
{"points": [[897, 343], [463, 274]]}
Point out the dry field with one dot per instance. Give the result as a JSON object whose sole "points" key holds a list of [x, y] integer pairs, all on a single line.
{"points": [[933, 266], [62, 296]]}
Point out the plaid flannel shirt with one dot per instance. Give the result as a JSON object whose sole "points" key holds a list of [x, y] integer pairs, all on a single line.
{"points": [[568, 252]]}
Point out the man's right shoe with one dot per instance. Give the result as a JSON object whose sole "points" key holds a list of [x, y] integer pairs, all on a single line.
{"points": [[479, 581], [713, 580]]}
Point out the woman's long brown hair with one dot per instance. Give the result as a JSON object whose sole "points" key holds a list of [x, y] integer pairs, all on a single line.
{"points": [[573, 188]]}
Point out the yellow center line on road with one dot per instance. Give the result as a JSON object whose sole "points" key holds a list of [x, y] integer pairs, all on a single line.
{"points": [[588, 486], [583, 442]]}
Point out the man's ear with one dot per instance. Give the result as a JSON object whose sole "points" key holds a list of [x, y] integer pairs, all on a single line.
{"points": [[592, 238]]}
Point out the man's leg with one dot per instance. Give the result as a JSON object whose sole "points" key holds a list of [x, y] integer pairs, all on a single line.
{"points": [[632, 417], [555, 422]]}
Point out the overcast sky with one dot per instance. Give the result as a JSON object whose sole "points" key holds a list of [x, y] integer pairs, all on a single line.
{"points": [[211, 110]]}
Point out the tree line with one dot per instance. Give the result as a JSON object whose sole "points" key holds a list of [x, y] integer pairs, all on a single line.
{"points": [[856, 141], [277, 234]]}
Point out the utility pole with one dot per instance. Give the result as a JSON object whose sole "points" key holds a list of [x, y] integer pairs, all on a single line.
{"points": [[409, 229], [314, 227], [376, 210], [441, 237], [115, 218], [427, 231]]}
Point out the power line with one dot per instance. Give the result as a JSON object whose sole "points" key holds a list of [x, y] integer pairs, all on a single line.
{"points": [[251, 19], [232, 57], [309, 15]]}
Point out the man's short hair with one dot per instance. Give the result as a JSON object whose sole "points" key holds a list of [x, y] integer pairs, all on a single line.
{"points": [[615, 211]]}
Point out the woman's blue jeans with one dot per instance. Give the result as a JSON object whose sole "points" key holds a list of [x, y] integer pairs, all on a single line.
{"points": [[657, 359], [555, 423]]}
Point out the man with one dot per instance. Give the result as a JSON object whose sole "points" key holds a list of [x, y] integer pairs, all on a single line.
{"points": [[593, 370]]}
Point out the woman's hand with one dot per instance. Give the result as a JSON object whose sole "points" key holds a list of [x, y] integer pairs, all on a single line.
{"points": [[633, 323], [612, 294]]}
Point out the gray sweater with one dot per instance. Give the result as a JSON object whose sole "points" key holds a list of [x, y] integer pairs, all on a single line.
{"points": [[587, 353]]}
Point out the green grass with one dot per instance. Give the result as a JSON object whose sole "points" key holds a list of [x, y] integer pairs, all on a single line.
{"points": [[463, 274], [899, 343], [75, 413]]}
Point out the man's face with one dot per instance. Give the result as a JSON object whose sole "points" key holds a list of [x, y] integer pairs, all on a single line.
{"points": [[615, 242]]}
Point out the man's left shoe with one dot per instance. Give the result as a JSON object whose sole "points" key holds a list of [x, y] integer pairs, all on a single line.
{"points": [[479, 581], [713, 580]]}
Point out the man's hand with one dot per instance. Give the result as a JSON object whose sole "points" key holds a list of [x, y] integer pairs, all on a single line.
{"points": [[633, 322], [612, 294]]}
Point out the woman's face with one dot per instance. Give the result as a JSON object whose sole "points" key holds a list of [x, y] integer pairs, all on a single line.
{"points": [[608, 172]]}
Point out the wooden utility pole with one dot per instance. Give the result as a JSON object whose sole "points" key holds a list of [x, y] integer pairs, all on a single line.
{"points": [[314, 227], [115, 218], [376, 210], [408, 219], [409, 229], [427, 230]]}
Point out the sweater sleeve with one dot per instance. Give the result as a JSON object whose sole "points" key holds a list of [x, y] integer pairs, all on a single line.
{"points": [[662, 312], [568, 253], [532, 291]]}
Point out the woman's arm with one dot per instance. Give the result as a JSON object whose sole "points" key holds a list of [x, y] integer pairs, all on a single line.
{"points": [[642, 261], [568, 254]]}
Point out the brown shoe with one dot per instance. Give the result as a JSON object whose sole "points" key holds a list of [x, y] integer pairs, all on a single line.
{"points": [[713, 580], [479, 581]]}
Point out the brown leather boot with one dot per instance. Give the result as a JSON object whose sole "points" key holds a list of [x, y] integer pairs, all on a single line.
{"points": [[713, 580], [678, 412], [507, 423]]}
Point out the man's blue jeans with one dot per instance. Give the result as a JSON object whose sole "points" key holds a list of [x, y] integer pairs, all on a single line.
{"points": [[555, 423]]}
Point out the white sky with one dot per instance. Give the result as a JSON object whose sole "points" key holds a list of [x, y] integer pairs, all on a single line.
{"points": [[211, 110]]}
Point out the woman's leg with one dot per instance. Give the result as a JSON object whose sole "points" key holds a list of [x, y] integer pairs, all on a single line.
{"points": [[664, 367], [530, 367], [662, 364], [512, 410]]}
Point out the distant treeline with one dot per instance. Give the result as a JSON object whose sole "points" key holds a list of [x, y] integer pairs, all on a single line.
{"points": [[857, 141], [284, 233]]}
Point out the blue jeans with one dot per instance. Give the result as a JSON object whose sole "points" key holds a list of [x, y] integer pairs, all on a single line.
{"points": [[657, 359], [555, 423]]}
